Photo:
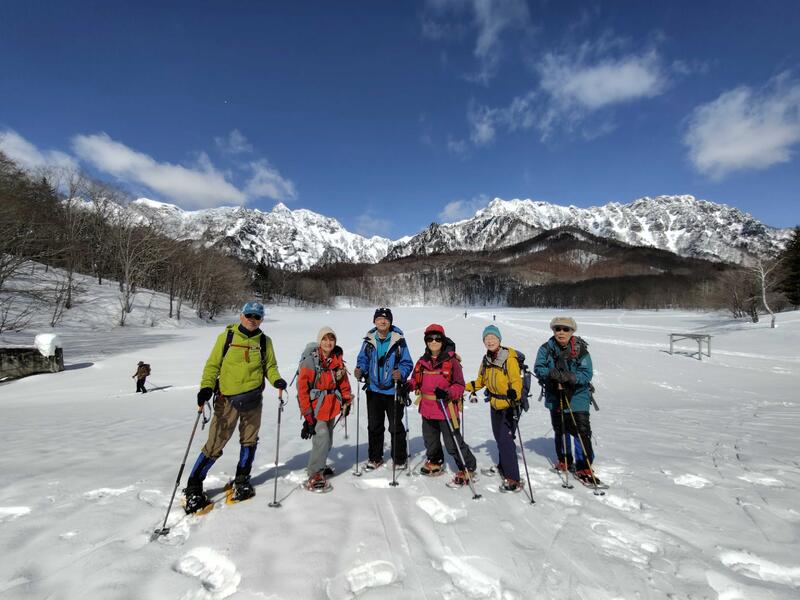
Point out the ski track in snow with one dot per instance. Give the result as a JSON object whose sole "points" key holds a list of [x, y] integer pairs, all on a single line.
{"points": [[217, 574], [756, 567]]}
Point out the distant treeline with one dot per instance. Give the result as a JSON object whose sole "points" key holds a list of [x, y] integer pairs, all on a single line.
{"points": [[62, 218]]}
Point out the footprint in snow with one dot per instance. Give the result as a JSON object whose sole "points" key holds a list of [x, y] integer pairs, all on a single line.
{"points": [[439, 511], [627, 541], [692, 481], [465, 574], [564, 498], [352, 583], [755, 567], [371, 484], [101, 493], [620, 503], [760, 479], [216, 573], [9, 513]]}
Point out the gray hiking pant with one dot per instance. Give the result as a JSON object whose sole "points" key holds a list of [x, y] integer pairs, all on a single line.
{"points": [[321, 443]]}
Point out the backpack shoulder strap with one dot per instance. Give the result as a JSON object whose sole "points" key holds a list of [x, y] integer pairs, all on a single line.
{"points": [[262, 342], [228, 340]]}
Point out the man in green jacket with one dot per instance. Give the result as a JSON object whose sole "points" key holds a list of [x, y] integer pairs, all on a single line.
{"points": [[235, 373]]}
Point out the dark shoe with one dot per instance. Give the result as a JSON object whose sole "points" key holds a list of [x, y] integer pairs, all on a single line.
{"points": [[194, 499], [242, 489], [586, 477], [463, 477], [431, 468], [328, 471], [510, 486], [317, 483], [373, 464]]}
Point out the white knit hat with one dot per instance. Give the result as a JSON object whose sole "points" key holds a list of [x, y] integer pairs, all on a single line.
{"points": [[323, 332]]}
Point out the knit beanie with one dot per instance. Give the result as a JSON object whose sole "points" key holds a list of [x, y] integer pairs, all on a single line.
{"points": [[564, 322], [492, 330], [386, 313], [323, 332]]}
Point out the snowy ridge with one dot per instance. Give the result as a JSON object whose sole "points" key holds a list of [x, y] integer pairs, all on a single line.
{"points": [[292, 239], [679, 224]]}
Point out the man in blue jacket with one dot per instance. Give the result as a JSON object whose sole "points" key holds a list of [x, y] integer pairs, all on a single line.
{"points": [[383, 361], [563, 366]]}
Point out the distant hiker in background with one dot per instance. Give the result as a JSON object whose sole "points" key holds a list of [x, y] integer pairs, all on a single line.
{"points": [[142, 371], [384, 361], [323, 391], [500, 374], [563, 366], [439, 383], [465, 314], [235, 373]]}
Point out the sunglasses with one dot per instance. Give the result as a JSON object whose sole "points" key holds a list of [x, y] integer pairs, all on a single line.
{"points": [[558, 328], [253, 317], [433, 338]]}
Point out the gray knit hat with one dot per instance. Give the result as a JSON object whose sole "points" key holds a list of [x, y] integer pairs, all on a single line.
{"points": [[564, 322]]}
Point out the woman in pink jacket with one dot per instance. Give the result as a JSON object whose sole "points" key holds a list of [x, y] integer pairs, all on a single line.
{"points": [[438, 380]]}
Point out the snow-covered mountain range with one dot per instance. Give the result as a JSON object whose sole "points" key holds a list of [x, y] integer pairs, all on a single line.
{"points": [[300, 239]]}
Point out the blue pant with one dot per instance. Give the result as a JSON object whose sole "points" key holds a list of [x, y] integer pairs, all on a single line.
{"points": [[504, 430]]}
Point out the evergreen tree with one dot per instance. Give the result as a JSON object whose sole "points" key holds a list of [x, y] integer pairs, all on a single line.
{"points": [[790, 258]]}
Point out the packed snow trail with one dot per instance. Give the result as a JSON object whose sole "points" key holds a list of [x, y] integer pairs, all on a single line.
{"points": [[700, 457]]}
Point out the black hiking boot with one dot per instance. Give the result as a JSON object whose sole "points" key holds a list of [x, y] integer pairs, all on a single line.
{"points": [[194, 498], [242, 489]]}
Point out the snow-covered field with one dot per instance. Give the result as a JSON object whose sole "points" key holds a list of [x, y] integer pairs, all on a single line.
{"points": [[701, 458]]}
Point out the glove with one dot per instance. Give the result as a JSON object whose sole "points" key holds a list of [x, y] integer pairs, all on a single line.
{"points": [[555, 375], [204, 395], [473, 398], [397, 375], [309, 426], [358, 373], [511, 394], [440, 393], [280, 384], [568, 378], [347, 406]]}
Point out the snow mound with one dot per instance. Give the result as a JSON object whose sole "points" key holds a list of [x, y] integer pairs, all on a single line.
{"points": [[439, 511], [218, 575], [47, 343]]}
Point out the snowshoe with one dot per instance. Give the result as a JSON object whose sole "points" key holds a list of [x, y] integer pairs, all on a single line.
{"points": [[461, 479], [372, 465], [510, 486], [240, 491], [431, 469], [589, 479], [195, 501], [561, 467], [317, 483], [400, 466]]}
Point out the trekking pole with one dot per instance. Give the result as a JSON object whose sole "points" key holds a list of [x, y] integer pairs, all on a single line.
{"points": [[281, 403], [597, 491], [357, 472], [394, 482], [164, 529], [345, 428], [475, 495], [522, 449], [565, 482]]}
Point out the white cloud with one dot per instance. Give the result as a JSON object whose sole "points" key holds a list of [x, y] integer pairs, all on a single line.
{"points": [[571, 81], [235, 143], [193, 188], [369, 225], [267, 182], [491, 19], [28, 156], [458, 210], [745, 129]]}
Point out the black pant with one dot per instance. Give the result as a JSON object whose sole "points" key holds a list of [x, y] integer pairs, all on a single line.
{"points": [[433, 430], [140, 385], [581, 428], [380, 407]]}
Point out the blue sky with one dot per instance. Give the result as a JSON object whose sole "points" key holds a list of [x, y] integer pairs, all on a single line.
{"points": [[391, 115]]}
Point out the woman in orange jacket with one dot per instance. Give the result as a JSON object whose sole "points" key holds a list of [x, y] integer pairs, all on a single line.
{"points": [[323, 391]]}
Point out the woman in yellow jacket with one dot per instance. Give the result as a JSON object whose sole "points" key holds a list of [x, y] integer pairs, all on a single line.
{"points": [[499, 373]]}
